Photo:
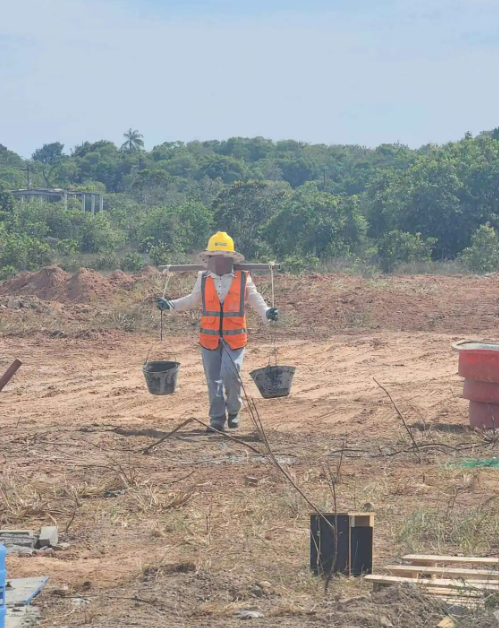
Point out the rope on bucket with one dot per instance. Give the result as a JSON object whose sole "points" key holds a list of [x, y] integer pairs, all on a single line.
{"points": [[273, 347], [168, 277], [167, 282]]}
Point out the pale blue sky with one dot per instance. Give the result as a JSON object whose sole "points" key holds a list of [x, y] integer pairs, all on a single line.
{"points": [[356, 71]]}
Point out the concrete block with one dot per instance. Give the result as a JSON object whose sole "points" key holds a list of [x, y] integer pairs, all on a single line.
{"points": [[49, 536], [17, 538]]}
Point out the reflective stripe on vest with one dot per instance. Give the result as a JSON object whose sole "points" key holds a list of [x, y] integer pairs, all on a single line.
{"points": [[226, 321]]}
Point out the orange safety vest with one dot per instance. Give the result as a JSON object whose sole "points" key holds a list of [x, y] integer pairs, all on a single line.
{"points": [[227, 321]]}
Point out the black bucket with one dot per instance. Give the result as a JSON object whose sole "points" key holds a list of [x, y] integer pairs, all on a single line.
{"points": [[274, 381], [161, 376]]}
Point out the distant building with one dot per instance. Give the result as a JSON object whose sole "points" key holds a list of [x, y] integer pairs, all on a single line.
{"points": [[62, 195]]}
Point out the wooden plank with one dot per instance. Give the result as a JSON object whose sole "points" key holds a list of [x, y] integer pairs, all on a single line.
{"points": [[478, 585], [361, 520], [446, 622], [411, 571], [422, 559], [451, 594], [20, 591]]}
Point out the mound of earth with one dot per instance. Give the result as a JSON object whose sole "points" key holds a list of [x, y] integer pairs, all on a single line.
{"points": [[48, 284], [87, 285], [54, 284], [22, 303]]}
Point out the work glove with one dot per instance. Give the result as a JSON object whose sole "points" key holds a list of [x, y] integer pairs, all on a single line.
{"points": [[164, 304], [273, 314]]}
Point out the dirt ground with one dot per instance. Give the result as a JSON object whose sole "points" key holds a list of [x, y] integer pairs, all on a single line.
{"points": [[204, 527]]}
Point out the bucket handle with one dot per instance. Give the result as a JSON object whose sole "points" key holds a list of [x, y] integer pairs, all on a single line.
{"points": [[151, 348]]}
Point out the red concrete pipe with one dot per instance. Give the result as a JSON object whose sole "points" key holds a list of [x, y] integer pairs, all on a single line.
{"points": [[479, 365], [483, 392], [484, 416], [479, 361]]}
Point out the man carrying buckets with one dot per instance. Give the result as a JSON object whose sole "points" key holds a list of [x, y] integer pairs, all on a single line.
{"points": [[223, 294]]}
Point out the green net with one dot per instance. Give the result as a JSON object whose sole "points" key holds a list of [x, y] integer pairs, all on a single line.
{"points": [[472, 463]]}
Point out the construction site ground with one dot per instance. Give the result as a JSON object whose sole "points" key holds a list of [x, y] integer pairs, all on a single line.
{"points": [[204, 527]]}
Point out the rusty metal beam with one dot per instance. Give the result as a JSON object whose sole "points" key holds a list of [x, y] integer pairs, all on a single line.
{"points": [[187, 268], [9, 373]]}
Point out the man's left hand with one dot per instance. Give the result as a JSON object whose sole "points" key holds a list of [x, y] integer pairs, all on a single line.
{"points": [[273, 314]]}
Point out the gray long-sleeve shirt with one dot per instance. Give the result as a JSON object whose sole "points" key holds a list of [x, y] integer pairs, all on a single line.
{"points": [[222, 284]]}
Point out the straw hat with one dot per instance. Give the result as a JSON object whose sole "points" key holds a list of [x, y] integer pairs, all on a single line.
{"points": [[221, 244]]}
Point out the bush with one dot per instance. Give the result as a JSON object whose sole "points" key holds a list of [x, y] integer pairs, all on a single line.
{"points": [[132, 261], [23, 252], [160, 254], [7, 272], [398, 246], [483, 254], [297, 265], [183, 228], [106, 261]]}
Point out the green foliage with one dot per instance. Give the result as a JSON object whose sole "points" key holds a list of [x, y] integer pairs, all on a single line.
{"points": [[7, 272], [297, 265], [6, 200], [160, 254], [24, 252], [178, 229], [245, 209], [132, 262], [105, 261], [483, 254], [134, 141], [398, 246], [50, 158], [314, 223], [49, 153], [287, 199]]}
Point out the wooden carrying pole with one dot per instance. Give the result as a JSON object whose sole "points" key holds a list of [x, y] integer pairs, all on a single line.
{"points": [[9, 373], [187, 268]]}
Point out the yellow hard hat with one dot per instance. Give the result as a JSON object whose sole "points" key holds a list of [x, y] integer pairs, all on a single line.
{"points": [[221, 241], [221, 244]]}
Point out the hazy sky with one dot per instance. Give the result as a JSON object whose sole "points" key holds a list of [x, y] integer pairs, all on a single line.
{"points": [[337, 71]]}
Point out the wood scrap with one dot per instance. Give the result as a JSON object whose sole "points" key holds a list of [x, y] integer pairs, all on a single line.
{"points": [[478, 585], [446, 622], [423, 559], [413, 571]]}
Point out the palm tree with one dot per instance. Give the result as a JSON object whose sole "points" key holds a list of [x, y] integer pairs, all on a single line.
{"points": [[134, 140]]}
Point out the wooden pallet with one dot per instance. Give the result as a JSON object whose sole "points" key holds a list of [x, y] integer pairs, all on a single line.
{"points": [[442, 577], [437, 583], [452, 573], [422, 559]]}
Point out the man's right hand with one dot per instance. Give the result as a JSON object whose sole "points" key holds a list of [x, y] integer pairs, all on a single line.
{"points": [[164, 304]]}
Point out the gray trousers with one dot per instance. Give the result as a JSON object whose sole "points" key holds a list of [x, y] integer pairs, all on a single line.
{"points": [[222, 368]]}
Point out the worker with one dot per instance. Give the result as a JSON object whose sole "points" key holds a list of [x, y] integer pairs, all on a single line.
{"points": [[223, 293]]}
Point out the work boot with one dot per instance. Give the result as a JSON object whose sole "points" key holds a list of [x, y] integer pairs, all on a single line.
{"points": [[216, 425], [234, 421], [214, 429]]}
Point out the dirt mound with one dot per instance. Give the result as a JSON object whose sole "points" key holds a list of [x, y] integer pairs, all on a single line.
{"points": [[456, 304], [119, 278], [23, 303], [48, 284], [87, 285], [148, 271], [54, 284]]}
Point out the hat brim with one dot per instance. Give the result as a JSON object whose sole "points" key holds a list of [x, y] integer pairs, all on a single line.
{"points": [[205, 255]]}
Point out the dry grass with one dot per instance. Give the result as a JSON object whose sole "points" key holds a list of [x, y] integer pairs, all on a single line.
{"points": [[474, 530]]}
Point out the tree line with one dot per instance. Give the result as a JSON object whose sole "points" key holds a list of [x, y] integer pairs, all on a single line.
{"points": [[307, 204]]}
